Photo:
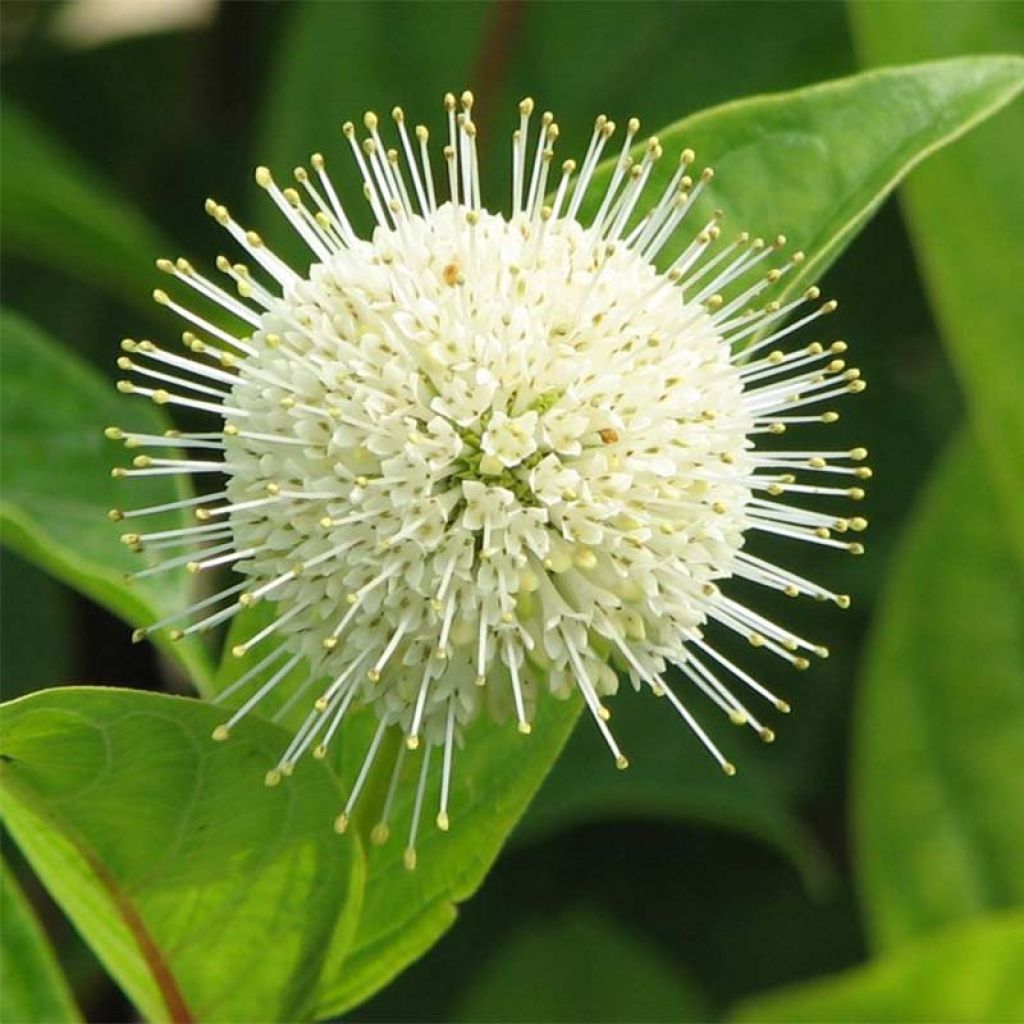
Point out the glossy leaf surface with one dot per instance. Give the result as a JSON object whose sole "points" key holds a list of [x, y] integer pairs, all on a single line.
{"points": [[161, 839], [939, 734]]}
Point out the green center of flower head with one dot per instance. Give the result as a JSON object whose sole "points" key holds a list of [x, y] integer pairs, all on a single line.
{"points": [[506, 453], [480, 458]]}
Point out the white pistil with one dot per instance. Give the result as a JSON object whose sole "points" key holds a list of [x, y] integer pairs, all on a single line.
{"points": [[597, 709], [163, 299], [140, 634], [222, 731], [176, 563], [183, 271], [248, 676], [240, 650], [116, 515], [341, 823], [446, 767], [517, 687], [381, 831], [409, 857]]}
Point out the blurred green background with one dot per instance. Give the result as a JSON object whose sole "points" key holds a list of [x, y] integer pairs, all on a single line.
{"points": [[643, 898]]}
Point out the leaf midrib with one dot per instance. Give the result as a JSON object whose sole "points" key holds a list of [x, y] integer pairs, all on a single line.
{"points": [[151, 954]]}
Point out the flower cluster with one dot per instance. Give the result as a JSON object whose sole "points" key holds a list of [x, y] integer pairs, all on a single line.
{"points": [[480, 457]]}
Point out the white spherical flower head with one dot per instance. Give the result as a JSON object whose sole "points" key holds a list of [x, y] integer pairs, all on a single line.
{"points": [[479, 459]]}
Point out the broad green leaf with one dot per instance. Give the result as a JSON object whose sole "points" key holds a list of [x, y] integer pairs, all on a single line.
{"points": [[32, 988], [965, 210], [579, 966], [496, 774], [57, 489], [155, 839], [939, 737], [58, 212], [814, 164], [968, 973]]}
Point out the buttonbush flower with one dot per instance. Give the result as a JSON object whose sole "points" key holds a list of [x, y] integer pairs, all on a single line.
{"points": [[480, 459]]}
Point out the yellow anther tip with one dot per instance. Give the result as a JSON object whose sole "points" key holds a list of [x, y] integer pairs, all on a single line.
{"points": [[409, 859], [341, 824], [622, 762], [443, 822], [272, 778], [221, 733]]}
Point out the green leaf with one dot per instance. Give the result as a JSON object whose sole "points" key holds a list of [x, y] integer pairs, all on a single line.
{"points": [[57, 489], [939, 736], [59, 213], [405, 912], [965, 210], [814, 164], [967, 973], [32, 988], [579, 966], [155, 839]]}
